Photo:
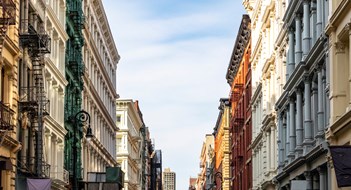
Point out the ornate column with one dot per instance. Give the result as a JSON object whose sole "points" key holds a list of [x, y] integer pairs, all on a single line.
{"points": [[306, 28], [298, 49], [314, 20], [307, 122], [320, 112], [299, 123], [273, 160], [291, 61], [48, 150], [280, 141], [292, 129], [287, 135], [322, 178], [308, 180], [319, 18]]}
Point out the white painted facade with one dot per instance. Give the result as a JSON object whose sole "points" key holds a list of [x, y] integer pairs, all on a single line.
{"points": [[268, 77], [129, 150], [100, 57], [55, 83]]}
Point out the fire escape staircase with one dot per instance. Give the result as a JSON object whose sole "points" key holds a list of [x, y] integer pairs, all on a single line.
{"points": [[33, 99]]}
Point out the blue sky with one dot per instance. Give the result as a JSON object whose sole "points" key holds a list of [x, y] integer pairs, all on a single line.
{"points": [[174, 56]]}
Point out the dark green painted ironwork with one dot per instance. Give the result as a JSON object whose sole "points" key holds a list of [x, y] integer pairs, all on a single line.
{"points": [[74, 75]]}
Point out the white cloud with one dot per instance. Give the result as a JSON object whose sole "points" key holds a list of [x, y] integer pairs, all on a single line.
{"points": [[175, 65]]}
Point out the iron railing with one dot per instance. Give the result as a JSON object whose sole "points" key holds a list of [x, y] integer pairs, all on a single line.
{"points": [[27, 164], [6, 115]]}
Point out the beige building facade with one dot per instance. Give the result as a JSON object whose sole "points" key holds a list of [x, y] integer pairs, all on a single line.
{"points": [[129, 149], [339, 32], [9, 58]]}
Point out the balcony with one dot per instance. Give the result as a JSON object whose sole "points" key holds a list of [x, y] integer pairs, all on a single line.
{"points": [[6, 115], [27, 165], [59, 175]]}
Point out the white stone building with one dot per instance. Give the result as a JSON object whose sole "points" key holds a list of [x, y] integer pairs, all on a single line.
{"points": [[100, 57], [268, 76], [129, 149], [55, 83]]}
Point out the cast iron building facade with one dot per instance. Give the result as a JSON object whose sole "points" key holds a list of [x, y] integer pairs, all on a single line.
{"points": [[239, 79], [100, 58], [303, 107]]}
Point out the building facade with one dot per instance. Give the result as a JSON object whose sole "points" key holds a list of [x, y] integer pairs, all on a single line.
{"points": [[239, 79], [41, 87], [267, 64], [204, 179], [100, 58], [129, 149], [339, 32], [221, 147], [303, 107], [9, 59], [169, 179]]}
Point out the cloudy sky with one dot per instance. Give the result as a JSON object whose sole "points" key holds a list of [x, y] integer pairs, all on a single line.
{"points": [[174, 56]]}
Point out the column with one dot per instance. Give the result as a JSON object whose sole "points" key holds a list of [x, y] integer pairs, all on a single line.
{"points": [[314, 21], [273, 149], [298, 50], [291, 61], [319, 18], [307, 122], [322, 178], [48, 137], [287, 137], [306, 27], [299, 123], [308, 180], [280, 141], [320, 112], [292, 129]]}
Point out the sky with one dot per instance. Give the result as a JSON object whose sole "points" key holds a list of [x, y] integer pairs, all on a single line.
{"points": [[174, 59]]}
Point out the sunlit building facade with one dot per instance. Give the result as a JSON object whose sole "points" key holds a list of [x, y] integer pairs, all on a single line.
{"points": [[9, 59], [129, 149], [303, 107], [100, 57], [239, 78], [267, 66], [221, 170], [339, 32]]}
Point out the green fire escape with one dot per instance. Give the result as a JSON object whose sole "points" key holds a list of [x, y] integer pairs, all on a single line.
{"points": [[74, 75]]}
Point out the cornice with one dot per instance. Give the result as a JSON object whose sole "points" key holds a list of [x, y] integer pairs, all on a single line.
{"points": [[105, 27], [102, 68], [241, 43], [336, 17], [256, 94], [55, 126], [100, 149], [256, 50]]}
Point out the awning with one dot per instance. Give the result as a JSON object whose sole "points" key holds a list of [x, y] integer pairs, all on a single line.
{"points": [[39, 184], [341, 156]]}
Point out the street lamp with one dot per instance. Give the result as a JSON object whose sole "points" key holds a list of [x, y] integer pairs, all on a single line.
{"points": [[81, 117]]}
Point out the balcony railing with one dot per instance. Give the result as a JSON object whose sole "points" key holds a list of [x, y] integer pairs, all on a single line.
{"points": [[59, 173], [6, 115], [28, 165]]}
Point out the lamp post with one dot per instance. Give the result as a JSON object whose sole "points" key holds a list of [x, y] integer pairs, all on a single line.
{"points": [[80, 117]]}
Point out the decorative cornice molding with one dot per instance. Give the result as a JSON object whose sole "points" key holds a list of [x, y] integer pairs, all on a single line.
{"points": [[242, 41]]}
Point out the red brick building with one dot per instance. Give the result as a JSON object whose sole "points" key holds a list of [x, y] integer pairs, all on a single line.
{"points": [[239, 79]]}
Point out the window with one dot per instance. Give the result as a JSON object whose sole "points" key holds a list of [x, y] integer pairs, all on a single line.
{"points": [[118, 118]]}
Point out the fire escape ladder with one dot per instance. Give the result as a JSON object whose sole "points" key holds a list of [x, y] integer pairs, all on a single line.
{"points": [[34, 98]]}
